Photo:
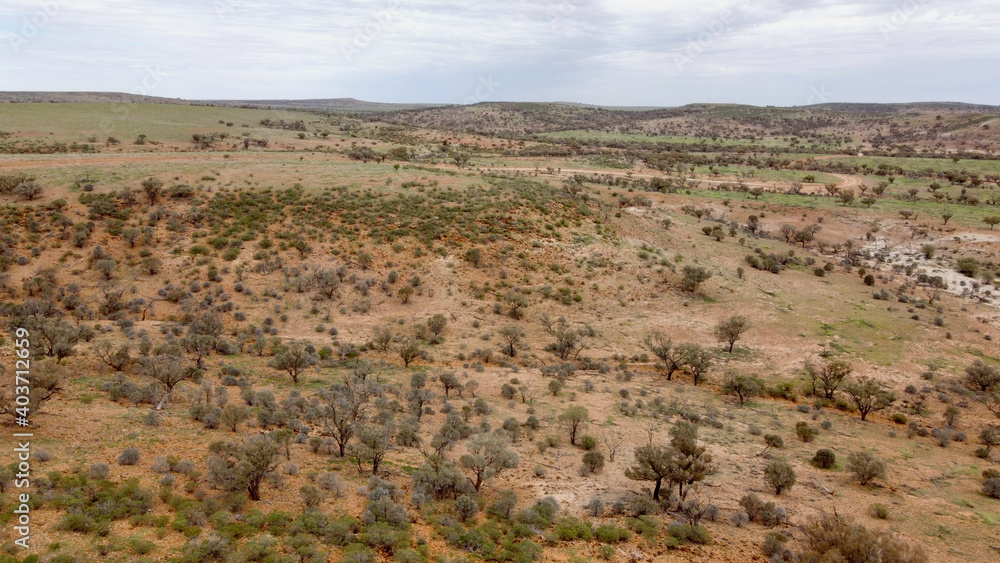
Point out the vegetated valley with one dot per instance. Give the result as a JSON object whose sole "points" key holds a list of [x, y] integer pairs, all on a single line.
{"points": [[502, 332]]}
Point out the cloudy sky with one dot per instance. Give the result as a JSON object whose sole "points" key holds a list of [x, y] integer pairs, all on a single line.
{"points": [[610, 52]]}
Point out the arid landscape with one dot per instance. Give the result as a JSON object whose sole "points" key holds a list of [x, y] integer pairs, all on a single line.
{"points": [[500, 332]]}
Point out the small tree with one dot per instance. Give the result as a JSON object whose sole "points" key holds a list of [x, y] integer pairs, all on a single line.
{"points": [[569, 342], [294, 359], [436, 324], [672, 357], [152, 187], [28, 190], [339, 410], [982, 375], [593, 462], [242, 466], [44, 380], [869, 396], [489, 455], [693, 277], [474, 256], [409, 350], [652, 463], [404, 294], [683, 463], [865, 467], [511, 336], [989, 437], [165, 367], [992, 221], [574, 419], [828, 377], [382, 338], [115, 358], [449, 381], [779, 475], [373, 443], [692, 463], [730, 330], [697, 361], [233, 415], [742, 387]]}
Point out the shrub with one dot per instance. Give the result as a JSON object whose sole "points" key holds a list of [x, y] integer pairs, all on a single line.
{"points": [[588, 442], [686, 533], [991, 487], [466, 508], [834, 538], [865, 467], [504, 504], [312, 496], [774, 441], [805, 432], [595, 507], [569, 528], [824, 459], [774, 543], [779, 475], [593, 462], [99, 471], [129, 456], [609, 533], [879, 511]]}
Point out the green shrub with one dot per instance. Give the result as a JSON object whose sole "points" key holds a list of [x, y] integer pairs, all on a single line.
{"points": [[805, 432], [141, 546], [588, 442], [824, 459], [686, 533], [569, 528], [779, 475], [609, 533], [593, 462], [774, 543]]}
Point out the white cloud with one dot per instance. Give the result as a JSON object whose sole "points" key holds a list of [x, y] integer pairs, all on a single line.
{"points": [[602, 51]]}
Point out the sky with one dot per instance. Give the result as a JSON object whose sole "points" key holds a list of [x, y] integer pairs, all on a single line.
{"points": [[605, 52]]}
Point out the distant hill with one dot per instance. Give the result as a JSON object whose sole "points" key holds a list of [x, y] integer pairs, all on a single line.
{"points": [[86, 97], [909, 107], [327, 104]]}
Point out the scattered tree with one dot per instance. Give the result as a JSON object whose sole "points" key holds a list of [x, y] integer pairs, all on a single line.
{"points": [[730, 330], [779, 475], [694, 276], [742, 387], [294, 359], [574, 419], [489, 455], [828, 376], [243, 466], [869, 396]]}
